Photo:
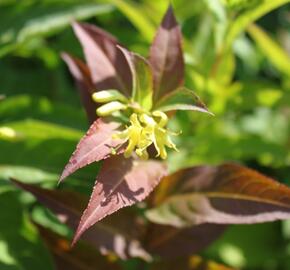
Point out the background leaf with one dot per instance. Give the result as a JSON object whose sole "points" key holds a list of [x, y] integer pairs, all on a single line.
{"points": [[272, 51], [42, 20], [249, 16], [81, 257], [136, 16], [20, 244]]}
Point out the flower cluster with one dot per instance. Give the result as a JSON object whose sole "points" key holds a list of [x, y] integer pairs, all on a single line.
{"points": [[145, 129]]}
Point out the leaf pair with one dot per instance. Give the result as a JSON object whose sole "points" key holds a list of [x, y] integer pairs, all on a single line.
{"points": [[188, 200], [108, 236], [124, 233], [109, 66]]}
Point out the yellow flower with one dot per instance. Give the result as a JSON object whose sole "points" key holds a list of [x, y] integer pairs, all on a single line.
{"points": [[144, 131]]}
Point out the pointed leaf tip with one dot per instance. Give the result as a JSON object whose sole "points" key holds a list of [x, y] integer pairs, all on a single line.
{"points": [[96, 145], [68, 206], [120, 183], [182, 99], [166, 56], [108, 67]]}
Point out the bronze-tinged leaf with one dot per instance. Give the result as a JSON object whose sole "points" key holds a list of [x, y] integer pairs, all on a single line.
{"points": [[111, 235], [226, 194], [189, 263], [120, 183], [109, 68], [82, 257], [82, 77], [162, 240], [96, 145], [142, 80], [166, 56], [181, 99]]}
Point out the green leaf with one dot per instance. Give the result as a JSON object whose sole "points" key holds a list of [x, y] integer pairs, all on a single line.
{"points": [[41, 20], [249, 247], [181, 99], [271, 49], [20, 245], [142, 79], [40, 144], [40, 130], [249, 16], [19, 107], [137, 17], [27, 174]]}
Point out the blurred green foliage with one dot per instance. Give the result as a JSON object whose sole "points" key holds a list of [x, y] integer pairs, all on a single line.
{"points": [[240, 69]]}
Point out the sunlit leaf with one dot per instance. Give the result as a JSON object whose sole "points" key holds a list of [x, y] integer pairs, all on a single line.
{"points": [[108, 67], [181, 99], [96, 145], [166, 56], [110, 235], [19, 107], [120, 183], [41, 20], [249, 16], [226, 194], [137, 17], [271, 49]]}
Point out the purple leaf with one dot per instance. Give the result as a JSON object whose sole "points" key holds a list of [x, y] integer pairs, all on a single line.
{"points": [[121, 182], [96, 145], [226, 194], [82, 257], [110, 235], [109, 68], [192, 262], [164, 239], [166, 56], [84, 82]]}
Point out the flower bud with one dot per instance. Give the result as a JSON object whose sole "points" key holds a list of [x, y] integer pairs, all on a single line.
{"points": [[110, 108], [108, 95]]}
